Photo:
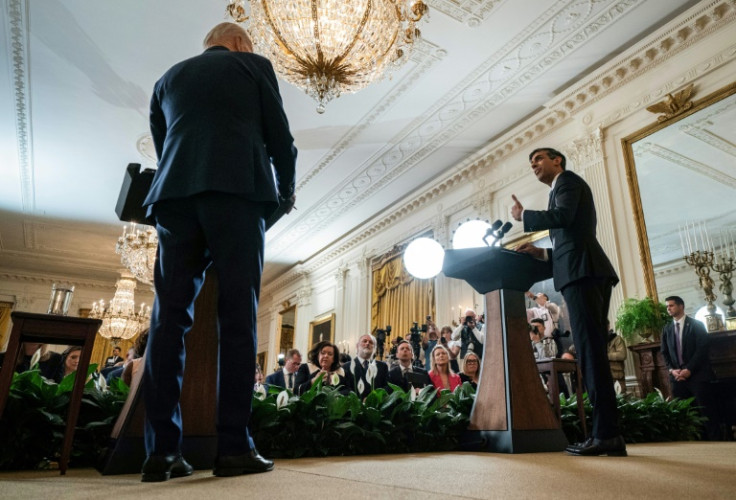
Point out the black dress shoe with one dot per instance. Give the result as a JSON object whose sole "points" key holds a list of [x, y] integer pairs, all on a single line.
{"points": [[581, 444], [237, 465], [613, 447], [159, 468]]}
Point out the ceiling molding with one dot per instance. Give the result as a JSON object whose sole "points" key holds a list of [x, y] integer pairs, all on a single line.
{"points": [[643, 57], [50, 280], [470, 12], [501, 76], [699, 129], [18, 46]]}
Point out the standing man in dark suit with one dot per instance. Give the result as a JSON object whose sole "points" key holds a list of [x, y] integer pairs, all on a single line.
{"points": [[286, 376], [405, 373], [218, 126], [585, 276], [685, 351], [363, 373]]}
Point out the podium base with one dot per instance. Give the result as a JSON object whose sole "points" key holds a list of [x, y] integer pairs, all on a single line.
{"points": [[527, 441]]}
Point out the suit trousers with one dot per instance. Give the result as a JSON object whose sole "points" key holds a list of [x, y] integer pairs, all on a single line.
{"points": [[587, 301], [227, 232]]}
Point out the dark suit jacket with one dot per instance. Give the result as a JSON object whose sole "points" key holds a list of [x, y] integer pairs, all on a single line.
{"points": [[307, 372], [203, 145], [354, 373], [396, 377], [571, 220], [695, 342], [276, 378]]}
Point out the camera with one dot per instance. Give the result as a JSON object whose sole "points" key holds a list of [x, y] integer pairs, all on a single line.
{"points": [[469, 319], [381, 340], [415, 338]]}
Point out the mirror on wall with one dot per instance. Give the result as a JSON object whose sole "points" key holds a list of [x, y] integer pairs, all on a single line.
{"points": [[682, 170], [286, 329]]}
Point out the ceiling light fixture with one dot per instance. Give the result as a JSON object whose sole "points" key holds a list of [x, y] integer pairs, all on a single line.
{"points": [[120, 321], [328, 47], [137, 250]]}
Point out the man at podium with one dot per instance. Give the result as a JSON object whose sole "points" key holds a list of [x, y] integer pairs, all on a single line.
{"points": [[585, 276]]}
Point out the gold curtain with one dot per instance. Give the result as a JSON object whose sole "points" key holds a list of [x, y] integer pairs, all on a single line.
{"points": [[399, 299], [5, 309]]}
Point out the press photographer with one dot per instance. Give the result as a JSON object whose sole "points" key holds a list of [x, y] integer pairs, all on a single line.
{"points": [[470, 335]]}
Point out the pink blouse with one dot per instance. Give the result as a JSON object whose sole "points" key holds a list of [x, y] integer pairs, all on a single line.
{"points": [[437, 380]]}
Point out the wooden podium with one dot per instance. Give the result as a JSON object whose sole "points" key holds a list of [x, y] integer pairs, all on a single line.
{"points": [[511, 413]]}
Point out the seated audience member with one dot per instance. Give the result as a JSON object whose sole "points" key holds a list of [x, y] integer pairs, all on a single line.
{"points": [[115, 359], [452, 346], [322, 360], [617, 352], [543, 347], [117, 371], [286, 377], [363, 373], [48, 362], [405, 374], [258, 385], [136, 364], [441, 374], [69, 362], [471, 369]]}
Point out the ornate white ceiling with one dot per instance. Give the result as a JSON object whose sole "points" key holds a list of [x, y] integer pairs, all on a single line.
{"points": [[76, 80]]}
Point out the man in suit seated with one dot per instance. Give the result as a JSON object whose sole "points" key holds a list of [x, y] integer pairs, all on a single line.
{"points": [[114, 359], [405, 373], [285, 377], [364, 373], [685, 352]]}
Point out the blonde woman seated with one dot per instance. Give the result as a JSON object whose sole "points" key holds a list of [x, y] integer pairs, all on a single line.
{"points": [[324, 359], [471, 369], [441, 375]]}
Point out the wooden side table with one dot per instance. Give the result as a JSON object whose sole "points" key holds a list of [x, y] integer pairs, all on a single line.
{"points": [[553, 366], [52, 329], [651, 370]]}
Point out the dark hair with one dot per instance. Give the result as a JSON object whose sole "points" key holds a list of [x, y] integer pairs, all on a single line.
{"points": [[677, 300], [313, 354], [141, 342], [537, 320], [551, 154], [291, 353]]}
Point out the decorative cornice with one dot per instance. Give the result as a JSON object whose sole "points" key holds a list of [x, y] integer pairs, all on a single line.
{"points": [[699, 130], [18, 43], [587, 151], [50, 280], [642, 58], [470, 12], [303, 296]]}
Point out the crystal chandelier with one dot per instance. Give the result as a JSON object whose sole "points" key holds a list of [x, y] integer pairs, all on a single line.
{"points": [[137, 249], [120, 321], [327, 47]]}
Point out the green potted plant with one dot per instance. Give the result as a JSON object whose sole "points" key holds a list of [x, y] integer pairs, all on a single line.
{"points": [[643, 318]]}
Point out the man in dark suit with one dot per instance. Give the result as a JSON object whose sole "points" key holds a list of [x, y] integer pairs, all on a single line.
{"points": [[226, 161], [585, 276], [286, 376], [405, 373], [114, 359], [685, 352], [363, 373]]}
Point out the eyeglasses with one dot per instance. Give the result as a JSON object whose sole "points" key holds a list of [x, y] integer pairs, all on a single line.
{"points": [[471, 362]]}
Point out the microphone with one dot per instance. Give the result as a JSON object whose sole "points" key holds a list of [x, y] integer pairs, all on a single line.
{"points": [[497, 231], [491, 231]]}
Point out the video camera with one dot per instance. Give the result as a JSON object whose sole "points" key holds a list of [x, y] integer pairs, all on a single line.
{"points": [[381, 335], [415, 338]]}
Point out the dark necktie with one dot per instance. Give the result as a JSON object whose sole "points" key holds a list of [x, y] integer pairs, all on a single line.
{"points": [[678, 342], [291, 381], [365, 365]]}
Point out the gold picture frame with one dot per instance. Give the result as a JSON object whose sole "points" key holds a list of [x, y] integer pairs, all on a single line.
{"points": [[322, 328]]}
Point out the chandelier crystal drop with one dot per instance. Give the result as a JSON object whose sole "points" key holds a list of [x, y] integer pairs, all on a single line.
{"points": [[137, 250], [328, 47], [120, 321]]}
